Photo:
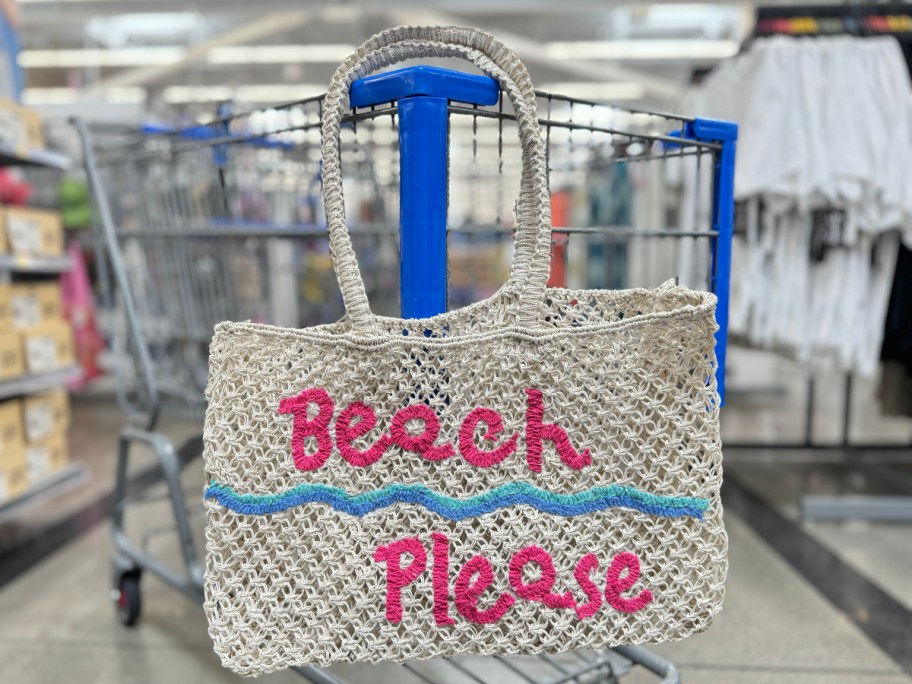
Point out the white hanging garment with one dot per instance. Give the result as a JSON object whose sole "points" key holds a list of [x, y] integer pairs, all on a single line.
{"points": [[824, 124]]}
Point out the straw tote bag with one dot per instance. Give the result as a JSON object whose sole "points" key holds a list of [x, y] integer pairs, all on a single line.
{"points": [[537, 472]]}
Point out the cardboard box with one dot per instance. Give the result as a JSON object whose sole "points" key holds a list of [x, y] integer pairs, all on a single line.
{"points": [[20, 127], [32, 232], [46, 457], [35, 303], [6, 307], [12, 359], [48, 346], [45, 414], [13, 475], [12, 436]]}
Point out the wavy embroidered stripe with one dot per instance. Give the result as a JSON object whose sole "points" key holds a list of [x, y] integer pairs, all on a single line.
{"points": [[515, 494]]}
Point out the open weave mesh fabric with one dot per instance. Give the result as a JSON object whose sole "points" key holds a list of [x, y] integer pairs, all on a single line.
{"points": [[628, 374], [625, 373]]}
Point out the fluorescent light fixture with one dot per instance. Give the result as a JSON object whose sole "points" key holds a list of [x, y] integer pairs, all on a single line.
{"points": [[145, 56], [279, 54], [643, 49], [597, 91], [49, 96], [266, 92], [62, 96], [98, 57]]}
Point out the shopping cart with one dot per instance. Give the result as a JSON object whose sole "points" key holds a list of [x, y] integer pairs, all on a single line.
{"points": [[223, 221]]}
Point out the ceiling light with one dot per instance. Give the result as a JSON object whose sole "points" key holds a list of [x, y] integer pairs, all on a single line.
{"points": [[49, 96], [96, 57], [279, 54], [145, 56], [60, 96], [127, 29], [643, 49]]}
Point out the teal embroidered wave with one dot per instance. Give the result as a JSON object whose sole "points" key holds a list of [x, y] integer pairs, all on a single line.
{"points": [[514, 494]]}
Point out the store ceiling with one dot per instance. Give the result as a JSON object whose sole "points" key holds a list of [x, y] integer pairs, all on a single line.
{"points": [[168, 54]]}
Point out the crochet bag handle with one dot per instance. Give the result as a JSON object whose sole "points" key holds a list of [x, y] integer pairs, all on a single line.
{"points": [[531, 263]]}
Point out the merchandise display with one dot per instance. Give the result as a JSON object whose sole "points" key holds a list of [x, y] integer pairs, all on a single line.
{"points": [[822, 218], [36, 341]]}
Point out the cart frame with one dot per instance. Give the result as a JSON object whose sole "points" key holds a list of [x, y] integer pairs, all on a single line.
{"points": [[424, 98]]}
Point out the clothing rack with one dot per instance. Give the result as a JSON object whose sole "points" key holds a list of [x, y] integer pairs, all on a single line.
{"points": [[828, 20]]}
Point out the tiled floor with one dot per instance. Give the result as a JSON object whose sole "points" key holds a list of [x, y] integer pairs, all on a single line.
{"points": [[57, 622]]}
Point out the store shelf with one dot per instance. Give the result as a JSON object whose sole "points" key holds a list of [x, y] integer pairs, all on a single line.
{"points": [[27, 264], [52, 485], [9, 156], [38, 382]]}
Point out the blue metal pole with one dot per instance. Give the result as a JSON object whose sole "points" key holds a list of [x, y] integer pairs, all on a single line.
{"points": [[422, 94], [423, 132], [724, 210], [726, 133]]}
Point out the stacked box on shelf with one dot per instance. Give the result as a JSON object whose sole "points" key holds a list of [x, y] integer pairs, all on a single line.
{"points": [[48, 347], [35, 303], [31, 233], [20, 127], [45, 415], [33, 440], [12, 360], [34, 336], [13, 464], [45, 418], [33, 314], [46, 338]]}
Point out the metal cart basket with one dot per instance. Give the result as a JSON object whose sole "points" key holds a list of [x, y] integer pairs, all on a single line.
{"points": [[223, 221]]}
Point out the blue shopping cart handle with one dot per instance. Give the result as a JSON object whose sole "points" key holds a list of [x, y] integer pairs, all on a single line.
{"points": [[216, 131], [422, 95], [725, 133], [704, 129], [424, 81], [201, 132]]}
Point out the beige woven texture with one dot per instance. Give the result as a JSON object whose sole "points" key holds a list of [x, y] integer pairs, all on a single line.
{"points": [[629, 374]]}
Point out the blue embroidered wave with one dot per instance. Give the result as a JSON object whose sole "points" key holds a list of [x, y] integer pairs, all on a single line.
{"points": [[514, 494]]}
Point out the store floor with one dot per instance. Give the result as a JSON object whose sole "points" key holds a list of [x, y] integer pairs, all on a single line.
{"points": [[805, 603]]}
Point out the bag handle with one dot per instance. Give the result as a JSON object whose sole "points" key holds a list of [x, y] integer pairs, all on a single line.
{"points": [[531, 262]]}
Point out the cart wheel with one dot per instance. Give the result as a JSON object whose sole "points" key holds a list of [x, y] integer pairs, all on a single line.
{"points": [[128, 600]]}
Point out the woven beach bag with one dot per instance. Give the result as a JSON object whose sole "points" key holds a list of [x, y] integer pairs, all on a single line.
{"points": [[535, 473]]}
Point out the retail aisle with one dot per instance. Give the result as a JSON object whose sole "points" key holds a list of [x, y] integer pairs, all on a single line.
{"points": [[57, 624]]}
